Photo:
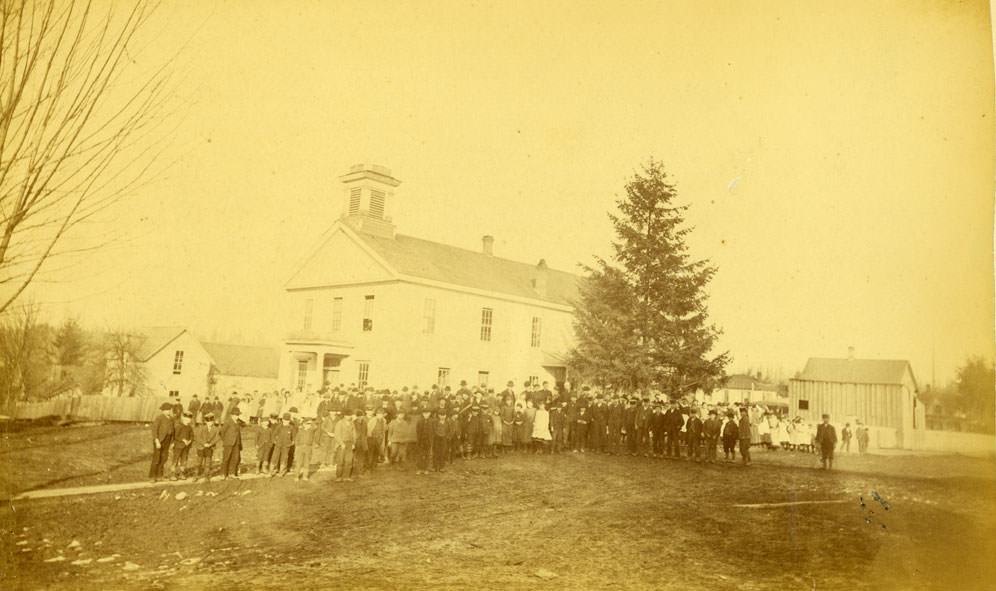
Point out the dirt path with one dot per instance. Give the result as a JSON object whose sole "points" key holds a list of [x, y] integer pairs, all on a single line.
{"points": [[590, 521]]}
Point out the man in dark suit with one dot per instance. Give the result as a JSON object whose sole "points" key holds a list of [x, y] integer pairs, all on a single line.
{"points": [[743, 430], [231, 442], [162, 436], [826, 438], [672, 428]]}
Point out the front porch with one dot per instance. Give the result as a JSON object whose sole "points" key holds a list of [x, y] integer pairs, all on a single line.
{"points": [[313, 363]]}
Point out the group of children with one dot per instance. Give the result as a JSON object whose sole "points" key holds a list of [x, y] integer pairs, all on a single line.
{"points": [[354, 430]]}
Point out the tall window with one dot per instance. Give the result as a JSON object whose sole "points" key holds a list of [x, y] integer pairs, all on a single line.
{"points": [[336, 314], [354, 201], [482, 379], [443, 377], [377, 203], [364, 374], [368, 310], [302, 375], [178, 362], [309, 309], [174, 393], [429, 317], [486, 314], [537, 329]]}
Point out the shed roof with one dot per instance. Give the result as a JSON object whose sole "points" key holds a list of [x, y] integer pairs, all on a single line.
{"points": [[856, 371], [244, 360]]}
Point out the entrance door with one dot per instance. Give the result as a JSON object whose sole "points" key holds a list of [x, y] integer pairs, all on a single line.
{"points": [[302, 375], [330, 370]]}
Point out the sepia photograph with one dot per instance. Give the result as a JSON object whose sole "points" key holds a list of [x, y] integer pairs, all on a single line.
{"points": [[338, 294]]}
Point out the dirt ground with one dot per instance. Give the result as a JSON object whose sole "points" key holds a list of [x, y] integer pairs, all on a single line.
{"points": [[571, 521]]}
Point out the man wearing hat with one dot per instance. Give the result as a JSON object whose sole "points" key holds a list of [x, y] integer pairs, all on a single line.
{"points": [[231, 442], [743, 430], [162, 436], [826, 438]]}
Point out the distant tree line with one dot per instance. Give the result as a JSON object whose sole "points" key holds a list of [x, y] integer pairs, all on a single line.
{"points": [[39, 360], [970, 395]]}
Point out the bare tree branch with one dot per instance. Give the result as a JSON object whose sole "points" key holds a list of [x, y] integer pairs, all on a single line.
{"points": [[76, 135]]}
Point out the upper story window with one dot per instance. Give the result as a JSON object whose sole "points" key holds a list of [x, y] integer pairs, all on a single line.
{"points": [[368, 309], [336, 314], [354, 201], [309, 309], [486, 317], [534, 340], [178, 362], [443, 377], [429, 316]]}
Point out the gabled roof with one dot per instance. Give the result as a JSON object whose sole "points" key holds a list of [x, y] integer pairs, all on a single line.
{"points": [[153, 339], [741, 381], [467, 268], [244, 360], [856, 371]]}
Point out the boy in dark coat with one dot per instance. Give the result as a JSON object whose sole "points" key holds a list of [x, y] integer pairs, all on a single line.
{"points": [[264, 445], [710, 434], [205, 438], [581, 429], [693, 435], [283, 439], [183, 437], [731, 433], [162, 436]]}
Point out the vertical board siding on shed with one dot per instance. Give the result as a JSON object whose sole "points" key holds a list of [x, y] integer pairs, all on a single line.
{"points": [[875, 404]]}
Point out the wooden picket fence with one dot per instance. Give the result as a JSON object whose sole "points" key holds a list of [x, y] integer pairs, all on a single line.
{"points": [[94, 408]]}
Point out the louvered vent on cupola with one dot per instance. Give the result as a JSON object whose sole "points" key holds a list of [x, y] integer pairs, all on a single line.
{"points": [[377, 204], [368, 188], [354, 201]]}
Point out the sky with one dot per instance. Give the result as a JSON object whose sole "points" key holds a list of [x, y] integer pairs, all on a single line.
{"points": [[837, 159]]}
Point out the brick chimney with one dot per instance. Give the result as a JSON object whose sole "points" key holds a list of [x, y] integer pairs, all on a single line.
{"points": [[488, 245]]}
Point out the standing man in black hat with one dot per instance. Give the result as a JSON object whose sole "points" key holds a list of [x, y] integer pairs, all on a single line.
{"points": [[826, 438], [162, 436], [743, 430], [231, 442]]}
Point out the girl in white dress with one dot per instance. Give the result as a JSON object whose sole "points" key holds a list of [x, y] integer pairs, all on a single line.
{"points": [[541, 428]]}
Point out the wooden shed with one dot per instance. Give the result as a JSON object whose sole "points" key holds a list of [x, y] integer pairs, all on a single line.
{"points": [[879, 393]]}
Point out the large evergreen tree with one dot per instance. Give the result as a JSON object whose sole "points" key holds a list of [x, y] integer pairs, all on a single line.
{"points": [[641, 321]]}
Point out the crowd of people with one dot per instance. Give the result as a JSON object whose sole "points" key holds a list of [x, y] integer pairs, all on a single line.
{"points": [[352, 430]]}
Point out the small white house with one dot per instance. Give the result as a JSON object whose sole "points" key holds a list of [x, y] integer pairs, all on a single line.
{"points": [[162, 360], [171, 360]]}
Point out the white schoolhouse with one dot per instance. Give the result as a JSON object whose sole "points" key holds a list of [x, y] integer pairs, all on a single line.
{"points": [[373, 307]]}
